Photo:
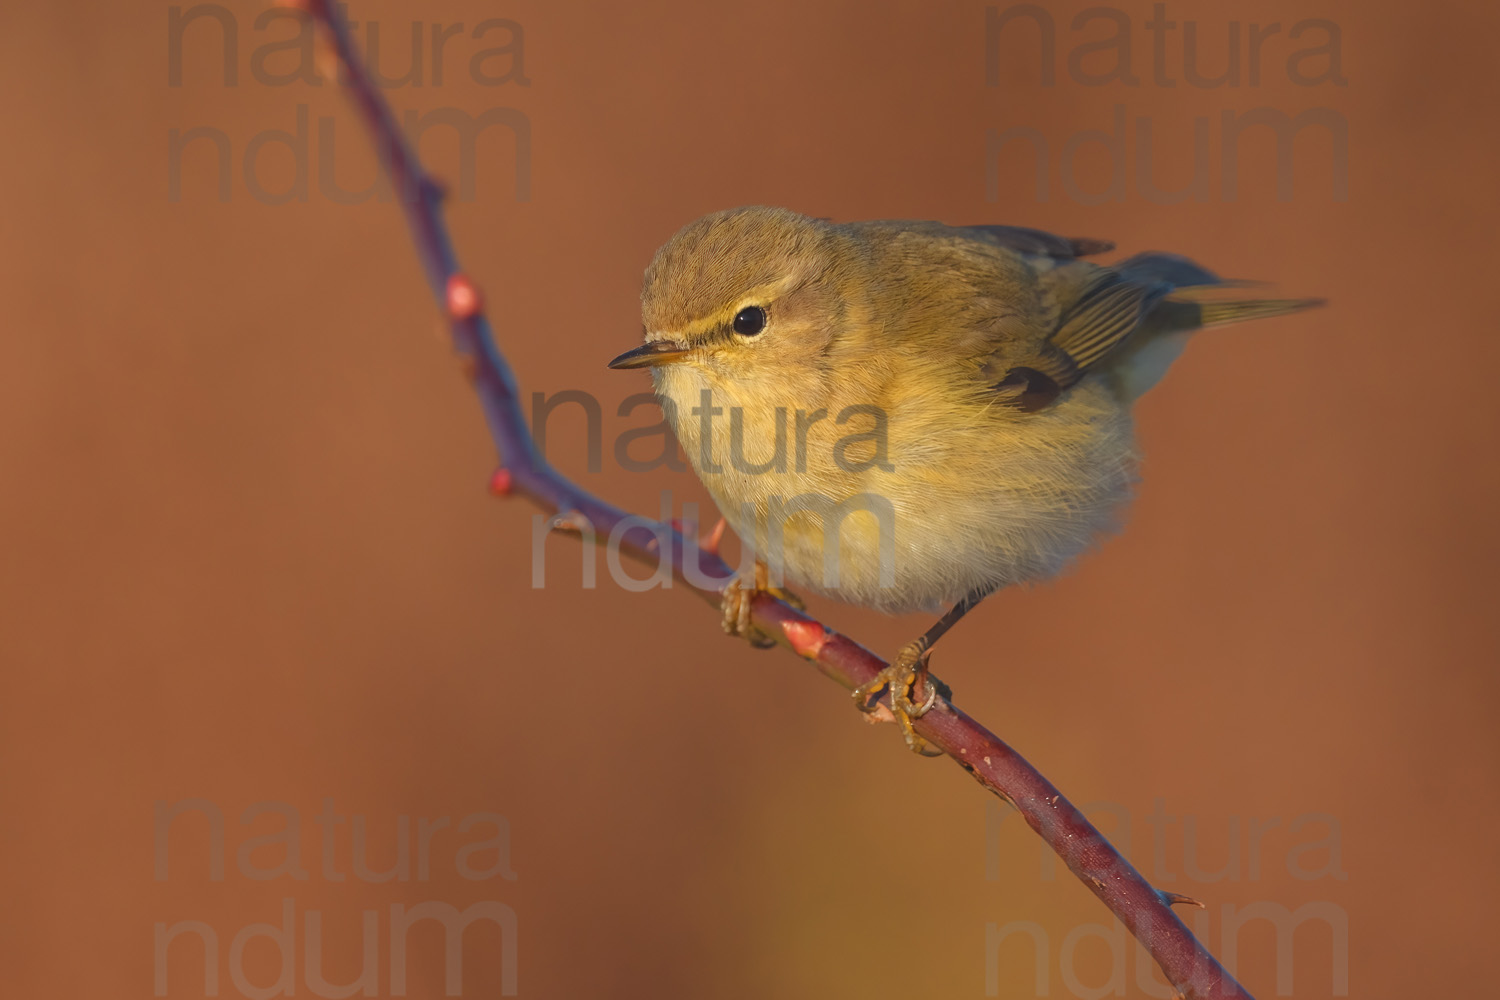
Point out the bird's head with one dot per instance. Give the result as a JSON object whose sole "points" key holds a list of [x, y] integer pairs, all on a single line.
{"points": [[747, 296]]}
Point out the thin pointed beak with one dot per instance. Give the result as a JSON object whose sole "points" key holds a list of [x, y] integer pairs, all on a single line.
{"points": [[658, 352]]}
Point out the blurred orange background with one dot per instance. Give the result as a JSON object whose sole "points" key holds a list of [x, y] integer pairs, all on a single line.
{"points": [[249, 555]]}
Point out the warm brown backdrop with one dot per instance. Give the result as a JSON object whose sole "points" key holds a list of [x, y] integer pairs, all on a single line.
{"points": [[248, 555]]}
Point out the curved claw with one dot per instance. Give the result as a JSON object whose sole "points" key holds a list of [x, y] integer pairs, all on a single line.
{"points": [[736, 608], [736, 601], [901, 676]]}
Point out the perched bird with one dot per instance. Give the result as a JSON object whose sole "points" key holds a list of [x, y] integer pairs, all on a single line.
{"points": [[907, 415]]}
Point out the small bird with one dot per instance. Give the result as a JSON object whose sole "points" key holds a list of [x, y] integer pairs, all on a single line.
{"points": [[908, 415]]}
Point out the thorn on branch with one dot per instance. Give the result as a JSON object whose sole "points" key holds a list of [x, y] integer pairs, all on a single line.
{"points": [[435, 187], [325, 54], [1173, 898], [326, 57], [570, 522], [502, 482], [710, 543]]}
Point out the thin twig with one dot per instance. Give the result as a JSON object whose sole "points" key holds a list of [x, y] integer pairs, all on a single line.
{"points": [[1144, 910]]}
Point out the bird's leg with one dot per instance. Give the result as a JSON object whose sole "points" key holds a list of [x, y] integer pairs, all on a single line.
{"points": [[907, 676], [737, 600]]}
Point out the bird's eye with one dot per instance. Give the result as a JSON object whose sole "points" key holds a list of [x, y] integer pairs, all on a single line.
{"points": [[749, 321]]}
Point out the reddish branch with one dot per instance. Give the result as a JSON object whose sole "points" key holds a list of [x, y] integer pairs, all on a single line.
{"points": [[1145, 911]]}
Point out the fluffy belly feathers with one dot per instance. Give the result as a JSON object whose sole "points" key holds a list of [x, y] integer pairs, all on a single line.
{"points": [[899, 515]]}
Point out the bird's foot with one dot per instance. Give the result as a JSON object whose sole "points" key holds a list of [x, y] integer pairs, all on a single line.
{"points": [[913, 693], [739, 595]]}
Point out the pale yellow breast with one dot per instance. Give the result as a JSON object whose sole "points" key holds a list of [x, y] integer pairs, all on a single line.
{"points": [[918, 496]]}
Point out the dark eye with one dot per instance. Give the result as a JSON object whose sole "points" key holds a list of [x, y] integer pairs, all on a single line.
{"points": [[749, 321]]}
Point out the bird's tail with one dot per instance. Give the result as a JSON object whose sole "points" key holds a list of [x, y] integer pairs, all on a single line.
{"points": [[1200, 300]]}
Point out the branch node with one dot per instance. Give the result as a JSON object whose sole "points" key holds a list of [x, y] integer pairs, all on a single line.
{"points": [[807, 638], [463, 299], [502, 483]]}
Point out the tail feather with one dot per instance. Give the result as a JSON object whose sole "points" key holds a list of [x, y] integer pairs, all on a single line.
{"points": [[1144, 359], [1237, 311]]}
